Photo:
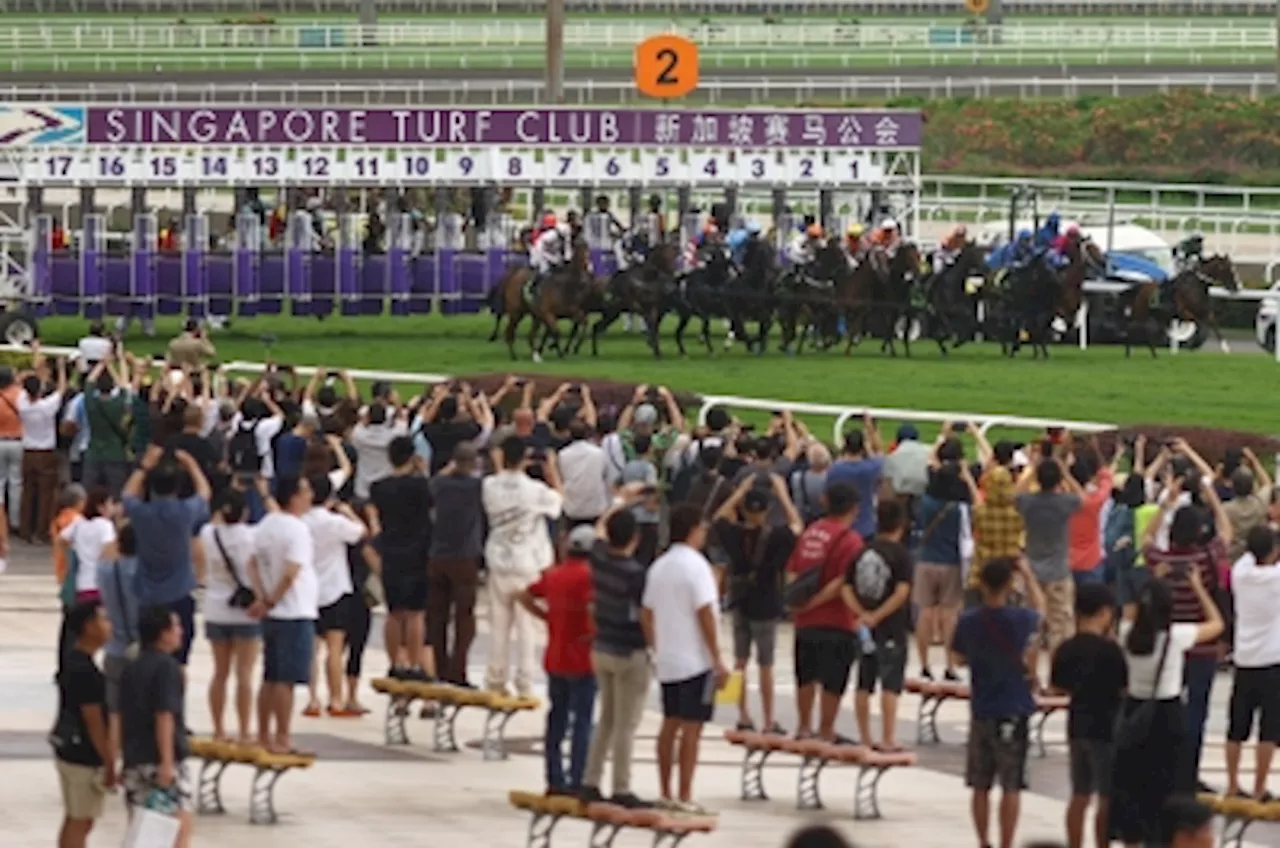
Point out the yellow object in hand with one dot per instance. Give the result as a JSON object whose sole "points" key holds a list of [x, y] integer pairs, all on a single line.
{"points": [[731, 692]]}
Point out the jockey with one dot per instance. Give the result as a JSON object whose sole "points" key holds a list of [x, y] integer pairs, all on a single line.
{"points": [[1188, 253], [1023, 251], [710, 235], [632, 249], [1061, 245], [736, 242], [650, 223], [1048, 230], [550, 245], [803, 248], [950, 248], [855, 243], [886, 236]]}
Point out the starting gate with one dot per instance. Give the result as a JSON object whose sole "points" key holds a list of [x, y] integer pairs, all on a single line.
{"points": [[744, 161]]}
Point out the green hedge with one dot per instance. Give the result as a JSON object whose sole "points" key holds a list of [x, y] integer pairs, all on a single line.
{"points": [[1182, 136]]}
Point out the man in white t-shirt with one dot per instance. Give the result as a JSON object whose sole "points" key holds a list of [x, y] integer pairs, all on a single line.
{"points": [[516, 550], [680, 618], [1255, 586], [585, 472], [334, 527], [286, 561]]}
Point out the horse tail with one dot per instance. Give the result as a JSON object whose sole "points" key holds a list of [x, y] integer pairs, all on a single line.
{"points": [[494, 299]]}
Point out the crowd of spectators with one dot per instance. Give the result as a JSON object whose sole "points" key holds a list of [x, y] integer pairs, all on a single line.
{"points": [[292, 510]]}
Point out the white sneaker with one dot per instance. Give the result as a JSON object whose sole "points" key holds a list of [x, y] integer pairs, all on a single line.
{"points": [[690, 808]]}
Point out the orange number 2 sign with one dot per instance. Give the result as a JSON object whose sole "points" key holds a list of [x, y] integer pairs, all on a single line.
{"points": [[666, 66]]}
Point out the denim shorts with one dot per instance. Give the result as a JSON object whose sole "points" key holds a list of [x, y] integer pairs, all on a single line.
{"points": [[286, 650], [227, 632]]}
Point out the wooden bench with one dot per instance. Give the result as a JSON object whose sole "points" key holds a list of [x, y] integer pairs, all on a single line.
{"points": [[451, 700], [815, 756], [1238, 813], [933, 694], [607, 820], [268, 768]]}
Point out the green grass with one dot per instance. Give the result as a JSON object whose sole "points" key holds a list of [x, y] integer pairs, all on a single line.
{"points": [[1097, 385]]}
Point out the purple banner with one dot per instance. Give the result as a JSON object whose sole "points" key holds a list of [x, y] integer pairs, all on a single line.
{"points": [[849, 128]]}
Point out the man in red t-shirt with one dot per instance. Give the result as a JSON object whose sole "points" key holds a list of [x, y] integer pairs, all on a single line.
{"points": [[562, 598], [825, 647]]}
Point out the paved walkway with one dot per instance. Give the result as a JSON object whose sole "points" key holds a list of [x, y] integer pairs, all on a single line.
{"points": [[359, 788]]}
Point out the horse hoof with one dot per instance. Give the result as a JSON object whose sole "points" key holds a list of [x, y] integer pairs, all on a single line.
{"points": [[537, 357], [1226, 348]]}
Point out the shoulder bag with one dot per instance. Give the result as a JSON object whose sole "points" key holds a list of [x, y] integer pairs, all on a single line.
{"points": [[242, 597], [1134, 728], [809, 583]]}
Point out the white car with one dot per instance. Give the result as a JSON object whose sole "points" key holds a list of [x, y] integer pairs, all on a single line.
{"points": [[1264, 324]]}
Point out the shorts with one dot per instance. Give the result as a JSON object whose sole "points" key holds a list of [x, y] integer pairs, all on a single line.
{"points": [[937, 586], [405, 588], [215, 632], [186, 611], [1092, 762], [825, 656], [762, 634], [287, 644], [113, 672], [82, 791], [997, 751], [1255, 691], [886, 666], [139, 783], [334, 616], [693, 699]]}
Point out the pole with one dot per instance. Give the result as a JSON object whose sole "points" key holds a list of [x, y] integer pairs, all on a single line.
{"points": [[555, 51], [1278, 45]]}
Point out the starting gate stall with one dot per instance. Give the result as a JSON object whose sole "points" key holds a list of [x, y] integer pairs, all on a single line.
{"points": [[712, 155]]}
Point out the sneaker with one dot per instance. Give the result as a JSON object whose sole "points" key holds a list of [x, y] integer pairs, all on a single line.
{"points": [[591, 795], [950, 676], [629, 801], [746, 727], [398, 673], [670, 805], [776, 729], [417, 675], [926, 674], [690, 808]]}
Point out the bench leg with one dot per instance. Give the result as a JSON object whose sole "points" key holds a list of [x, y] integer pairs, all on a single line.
{"points": [[927, 720], [209, 788], [1233, 828], [443, 730], [1038, 732], [866, 797], [668, 839], [494, 744], [262, 796], [753, 775], [808, 796], [603, 834], [541, 826], [397, 712]]}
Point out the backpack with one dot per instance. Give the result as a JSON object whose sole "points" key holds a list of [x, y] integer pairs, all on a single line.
{"points": [[242, 449], [810, 511]]}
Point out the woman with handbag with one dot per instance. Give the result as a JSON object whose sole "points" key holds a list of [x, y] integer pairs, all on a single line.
{"points": [[224, 554], [1151, 727]]}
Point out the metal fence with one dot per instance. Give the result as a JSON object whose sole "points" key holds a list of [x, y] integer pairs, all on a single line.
{"points": [[647, 7], [377, 90]]}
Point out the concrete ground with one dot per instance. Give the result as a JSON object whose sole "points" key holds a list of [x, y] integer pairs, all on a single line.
{"points": [[361, 793]]}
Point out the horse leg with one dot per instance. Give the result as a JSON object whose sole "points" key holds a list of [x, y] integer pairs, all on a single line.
{"points": [[686, 316], [513, 322], [536, 344], [607, 319], [652, 321], [906, 332], [706, 332], [1217, 332]]}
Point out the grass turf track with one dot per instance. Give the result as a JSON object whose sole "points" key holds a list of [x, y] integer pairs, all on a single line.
{"points": [[1203, 388], [113, 45]]}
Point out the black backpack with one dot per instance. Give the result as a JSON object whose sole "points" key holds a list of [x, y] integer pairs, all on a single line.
{"points": [[242, 450]]}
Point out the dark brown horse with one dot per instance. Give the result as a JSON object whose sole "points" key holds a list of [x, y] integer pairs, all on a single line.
{"points": [[1192, 302], [642, 291], [561, 295]]}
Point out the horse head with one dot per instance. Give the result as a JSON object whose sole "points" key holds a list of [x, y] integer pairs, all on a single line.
{"points": [[907, 263], [1220, 269]]}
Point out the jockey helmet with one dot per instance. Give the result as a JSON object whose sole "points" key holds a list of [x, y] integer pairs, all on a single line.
{"points": [[1053, 220], [889, 225], [1024, 235], [814, 230], [549, 220], [1073, 230], [753, 228], [710, 228], [961, 231], [854, 230]]}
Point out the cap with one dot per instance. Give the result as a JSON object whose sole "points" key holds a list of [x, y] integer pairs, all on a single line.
{"points": [[646, 413], [582, 539], [755, 500], [1020, 459], [908, 432]]}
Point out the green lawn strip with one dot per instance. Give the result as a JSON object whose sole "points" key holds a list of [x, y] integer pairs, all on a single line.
{"points": [[1099, 384]]}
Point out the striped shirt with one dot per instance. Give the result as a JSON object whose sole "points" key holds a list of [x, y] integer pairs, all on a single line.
{"points": [[1186, 606], [619, 588]]}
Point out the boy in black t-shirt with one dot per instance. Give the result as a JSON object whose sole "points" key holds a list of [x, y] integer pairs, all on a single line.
{"points": [[877, 588], [81, 745], [1090, 667]]}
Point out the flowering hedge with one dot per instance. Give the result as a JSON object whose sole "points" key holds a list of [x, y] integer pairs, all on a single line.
{"points": [[1183, 136]]}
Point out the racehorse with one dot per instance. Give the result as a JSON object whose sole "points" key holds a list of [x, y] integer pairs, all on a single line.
{"points": [[703, 293], [949, 302], [560, 295], [810, 301], [1191, 302], [639, 290], [892, 303]]}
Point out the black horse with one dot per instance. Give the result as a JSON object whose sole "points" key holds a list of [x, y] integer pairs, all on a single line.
{"points": [[953, 311], [641, 290]]}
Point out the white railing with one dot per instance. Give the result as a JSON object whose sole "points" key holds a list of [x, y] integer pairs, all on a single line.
{"points": [[131, 35], [736, 90], [842, 414]]}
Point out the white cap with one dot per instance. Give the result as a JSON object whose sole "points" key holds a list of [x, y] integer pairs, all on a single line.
{"points": [[888, 224]]}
